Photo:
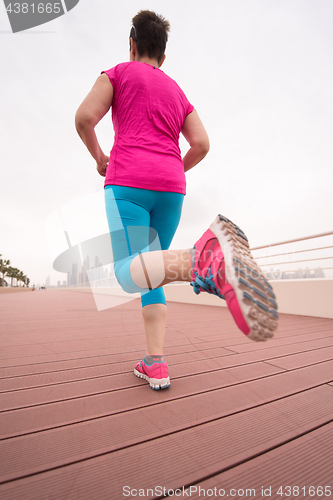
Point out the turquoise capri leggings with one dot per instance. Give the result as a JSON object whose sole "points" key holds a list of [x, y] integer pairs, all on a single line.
{"points": [[140, 220]]}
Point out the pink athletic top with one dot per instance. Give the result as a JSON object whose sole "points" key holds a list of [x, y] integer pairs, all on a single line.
{"points": [[148, 113]]}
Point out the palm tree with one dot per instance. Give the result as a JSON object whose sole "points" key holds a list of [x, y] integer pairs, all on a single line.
{"points": [[21, 277], [4, 266], [12, 273], [16, 274], [9, 273]]}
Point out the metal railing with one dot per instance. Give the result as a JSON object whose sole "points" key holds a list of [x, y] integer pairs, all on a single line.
{"points": [[280, 265], [289, 257]]}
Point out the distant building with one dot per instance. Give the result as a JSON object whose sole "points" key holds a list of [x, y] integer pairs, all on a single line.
{"points": [[74, 275], [295, 275]]}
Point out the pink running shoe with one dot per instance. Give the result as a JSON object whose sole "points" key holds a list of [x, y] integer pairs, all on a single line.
{"points": [[154, 370], [223, 265]]}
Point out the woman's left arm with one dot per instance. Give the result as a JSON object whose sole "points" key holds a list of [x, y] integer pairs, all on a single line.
{"points": [[90, 112]]}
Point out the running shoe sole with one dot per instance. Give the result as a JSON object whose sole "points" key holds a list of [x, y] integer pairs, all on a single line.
{"points": [[254, 294], [154, 383]]}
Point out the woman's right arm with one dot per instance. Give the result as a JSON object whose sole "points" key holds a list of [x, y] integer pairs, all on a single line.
{"points": [[196, 135], [91, 111]]}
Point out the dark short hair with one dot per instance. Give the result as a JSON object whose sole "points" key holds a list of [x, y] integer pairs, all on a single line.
{"points": [[150, 32]]}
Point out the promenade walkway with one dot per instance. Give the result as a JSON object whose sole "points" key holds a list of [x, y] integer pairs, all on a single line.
{"points": [[240, 419]]}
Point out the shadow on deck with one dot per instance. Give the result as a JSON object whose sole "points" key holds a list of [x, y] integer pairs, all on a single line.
{"points": [[239, 417]]}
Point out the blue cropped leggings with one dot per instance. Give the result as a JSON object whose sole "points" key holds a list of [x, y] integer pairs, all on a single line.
{"points": [[140, 220]]}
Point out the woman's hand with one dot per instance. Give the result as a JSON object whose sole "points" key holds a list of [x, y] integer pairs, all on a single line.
{"points": [[101, 166]]}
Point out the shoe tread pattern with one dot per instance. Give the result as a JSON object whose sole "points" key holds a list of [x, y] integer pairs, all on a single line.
{"points": [[255, 295]]}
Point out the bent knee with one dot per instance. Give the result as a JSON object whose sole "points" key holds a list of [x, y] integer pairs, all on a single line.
{"points": [[125, 283], [123, 275]]}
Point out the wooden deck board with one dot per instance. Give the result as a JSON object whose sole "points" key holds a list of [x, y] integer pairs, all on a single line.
{"points": [[21, 376], [295, 415], [303, 463], [73, 417], [73, 390], [201, 451], [312, 352]]}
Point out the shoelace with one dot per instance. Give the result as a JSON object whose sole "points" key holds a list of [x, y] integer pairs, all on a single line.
{"points": [[207, 284]]}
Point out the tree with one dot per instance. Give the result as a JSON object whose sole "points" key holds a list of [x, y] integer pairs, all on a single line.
{"points": [[12, 273], [16, 274], [4, 266], [21, 277]]}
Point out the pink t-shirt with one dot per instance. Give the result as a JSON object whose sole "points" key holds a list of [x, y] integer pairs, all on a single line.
{"points": [[148, 113]]}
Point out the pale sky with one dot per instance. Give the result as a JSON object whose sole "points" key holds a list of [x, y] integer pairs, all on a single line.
{"points": [[260, 75]]}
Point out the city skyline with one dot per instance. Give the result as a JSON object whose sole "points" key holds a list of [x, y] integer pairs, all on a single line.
{"points": [[106, 278]]}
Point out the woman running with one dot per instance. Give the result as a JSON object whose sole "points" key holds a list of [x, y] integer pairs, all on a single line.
{"points": [[145, 187]]}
